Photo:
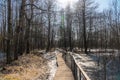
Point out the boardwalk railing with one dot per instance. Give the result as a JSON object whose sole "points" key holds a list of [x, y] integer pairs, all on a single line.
{"points": [[78, 72]]}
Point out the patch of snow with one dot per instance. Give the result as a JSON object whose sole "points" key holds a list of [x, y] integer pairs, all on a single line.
{"points": [[52, 63], [87, 63], [53, 68]]}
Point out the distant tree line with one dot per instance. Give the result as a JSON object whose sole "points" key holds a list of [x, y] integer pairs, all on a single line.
{"points": [[38, 24]]}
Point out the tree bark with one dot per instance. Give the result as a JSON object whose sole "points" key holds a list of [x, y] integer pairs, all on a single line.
{"points": [[9, 32], [84, 27]]}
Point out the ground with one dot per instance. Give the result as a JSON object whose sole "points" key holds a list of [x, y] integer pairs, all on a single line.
{"points": [[39, 65], [27, 67], [63, 71], [93, 63]]}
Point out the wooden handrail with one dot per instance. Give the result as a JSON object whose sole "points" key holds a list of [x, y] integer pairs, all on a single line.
{"points": [[82, 73], [80, 68]]}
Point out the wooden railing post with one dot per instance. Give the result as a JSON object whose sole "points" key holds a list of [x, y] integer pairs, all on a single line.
{"points": [[79, 75]]}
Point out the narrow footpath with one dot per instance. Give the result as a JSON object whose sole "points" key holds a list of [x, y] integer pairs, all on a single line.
{"points": [[63, 71]]}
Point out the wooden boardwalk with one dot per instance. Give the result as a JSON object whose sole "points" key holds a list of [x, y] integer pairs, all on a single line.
{"points": [[63, 72]]}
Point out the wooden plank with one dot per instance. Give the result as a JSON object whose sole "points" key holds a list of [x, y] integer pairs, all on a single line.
{"points": [[63, 72]]}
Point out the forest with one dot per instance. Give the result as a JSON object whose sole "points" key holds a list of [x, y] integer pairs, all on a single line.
{"points": [[31, 29]]}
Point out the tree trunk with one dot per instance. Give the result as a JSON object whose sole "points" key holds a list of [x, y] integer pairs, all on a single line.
{"points": [[49, 29], [9, 32], [27, 36], [84, 27]]}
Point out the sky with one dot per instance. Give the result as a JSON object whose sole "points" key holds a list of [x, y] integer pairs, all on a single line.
{"points": [[103, 4]]}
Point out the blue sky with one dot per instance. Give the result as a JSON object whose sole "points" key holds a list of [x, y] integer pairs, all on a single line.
{"points": [[103, 4]]}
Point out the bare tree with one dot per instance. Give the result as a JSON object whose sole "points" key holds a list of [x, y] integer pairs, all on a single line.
{"points": [[9, 32], [50, 4]]}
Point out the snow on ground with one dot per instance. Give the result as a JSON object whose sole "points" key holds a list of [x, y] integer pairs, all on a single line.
{"points": [[87, 63], [52, 63], [103, 51]]}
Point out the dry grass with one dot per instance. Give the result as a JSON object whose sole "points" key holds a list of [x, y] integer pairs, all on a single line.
{"points": [[27, 67]]}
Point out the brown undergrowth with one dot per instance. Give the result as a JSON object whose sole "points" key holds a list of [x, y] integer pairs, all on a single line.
{"points": [[28, 67]]}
